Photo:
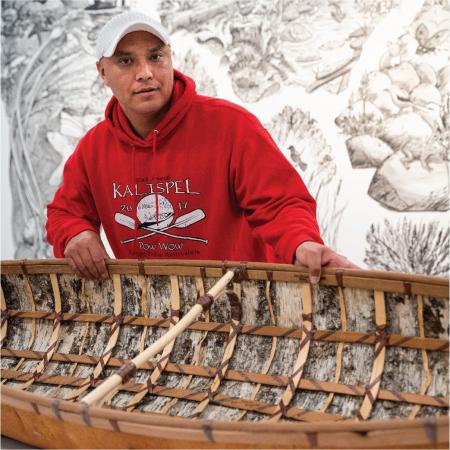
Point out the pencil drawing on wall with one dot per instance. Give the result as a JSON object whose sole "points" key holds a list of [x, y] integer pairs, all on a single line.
{"points": [[349, 90]]}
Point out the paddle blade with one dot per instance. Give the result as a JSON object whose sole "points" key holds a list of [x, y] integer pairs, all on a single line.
{"points": [[189, 218], [124, 220]]}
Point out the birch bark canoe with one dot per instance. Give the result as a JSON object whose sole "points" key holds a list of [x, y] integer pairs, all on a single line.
{"points": [[358, 361]]}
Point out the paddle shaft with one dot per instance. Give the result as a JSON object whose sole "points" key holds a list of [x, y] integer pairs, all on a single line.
{"points": [[182, 222], [99, 393]]}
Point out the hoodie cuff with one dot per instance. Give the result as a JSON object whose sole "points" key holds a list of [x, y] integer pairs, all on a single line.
{"points": [[58, 250], [288, 244]]}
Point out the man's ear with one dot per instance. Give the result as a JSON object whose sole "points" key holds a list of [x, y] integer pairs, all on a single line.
{"points": [[101, 72]]}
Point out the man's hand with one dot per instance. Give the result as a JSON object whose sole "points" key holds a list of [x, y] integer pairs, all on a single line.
{"points": [[314, 256], [86, 255]]}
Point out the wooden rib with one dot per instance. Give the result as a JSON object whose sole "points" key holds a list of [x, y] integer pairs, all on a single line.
{"points": [[39, 369], [75, 365], [351, 337], [103, 360], [226, 358], [32, 304], [83, 339], [269, 360], [4, 327], [340, 348], [198, 351], [305, 343], [192, 395], [428, 376], [380, 353], [162, 360], [31, 301], [144, 307], [251, 377]]}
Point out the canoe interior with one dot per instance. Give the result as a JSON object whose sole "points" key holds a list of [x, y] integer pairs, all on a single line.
{"points": [[361, 346]]}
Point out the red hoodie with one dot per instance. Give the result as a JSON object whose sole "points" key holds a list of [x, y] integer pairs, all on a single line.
{"points": [[208, 183]]}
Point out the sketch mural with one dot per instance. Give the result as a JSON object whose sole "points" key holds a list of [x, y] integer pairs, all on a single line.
{"points": [[268, 44], [408, 247], [299, 134], [52, 96], [355, 93], [399, 122]]}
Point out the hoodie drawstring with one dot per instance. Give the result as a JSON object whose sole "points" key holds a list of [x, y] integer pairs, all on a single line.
{"points": [[155, 133], [133, 178]]}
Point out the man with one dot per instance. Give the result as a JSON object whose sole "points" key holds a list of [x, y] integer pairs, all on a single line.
{"points": [[170, 173]]}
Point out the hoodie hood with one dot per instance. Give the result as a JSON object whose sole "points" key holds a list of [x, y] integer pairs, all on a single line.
{"points": [[183, 95]]}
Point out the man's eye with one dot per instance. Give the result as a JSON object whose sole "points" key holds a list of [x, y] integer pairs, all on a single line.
{"points": [[125, 61], [156, 57]]}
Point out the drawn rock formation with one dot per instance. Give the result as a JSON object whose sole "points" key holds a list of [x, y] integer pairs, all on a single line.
{"points": [[367, 151], [411, 186], [397, 130], [399, 120]]}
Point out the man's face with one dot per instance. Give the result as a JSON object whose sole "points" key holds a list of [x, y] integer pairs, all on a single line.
{"points": [[140, 75]]}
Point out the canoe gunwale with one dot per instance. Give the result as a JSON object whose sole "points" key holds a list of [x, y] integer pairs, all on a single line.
{"points": [[399, 282], [79, 413]]}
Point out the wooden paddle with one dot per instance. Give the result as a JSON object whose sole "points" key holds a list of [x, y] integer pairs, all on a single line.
{"points": [[96, 397], [182, 222]]}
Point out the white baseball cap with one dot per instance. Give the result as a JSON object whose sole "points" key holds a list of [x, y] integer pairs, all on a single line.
{"points": [[114, 30]]}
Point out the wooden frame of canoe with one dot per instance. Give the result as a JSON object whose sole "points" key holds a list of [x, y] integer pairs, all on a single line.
{"points": [[341, 385]]}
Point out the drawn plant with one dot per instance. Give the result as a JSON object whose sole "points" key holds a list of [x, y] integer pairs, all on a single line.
{"points": [[303, 142], [406, 246], [48, 74], [191, 65], [356, 123]]}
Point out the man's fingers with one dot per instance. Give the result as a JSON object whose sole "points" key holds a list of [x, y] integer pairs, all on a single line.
{"points": [[73, 265], [98, 255], [80, 265], [315, 256], [333, 259], [86, 255], [314, 263], [90, 266], [310, 255], [349, 265]]}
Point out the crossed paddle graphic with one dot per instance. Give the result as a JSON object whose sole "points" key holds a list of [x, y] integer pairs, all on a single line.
{"points": [[182, 222]]}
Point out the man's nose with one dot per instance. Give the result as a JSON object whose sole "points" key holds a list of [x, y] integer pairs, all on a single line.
{"points": [[144, 71]]}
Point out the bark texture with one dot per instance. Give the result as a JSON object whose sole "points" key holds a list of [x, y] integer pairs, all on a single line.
{"points": [[262, 303]]}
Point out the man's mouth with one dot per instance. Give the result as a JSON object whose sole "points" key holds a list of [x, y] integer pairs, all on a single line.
{"points": [[145, 90]]}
